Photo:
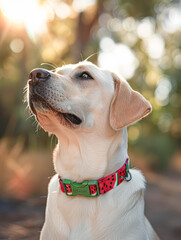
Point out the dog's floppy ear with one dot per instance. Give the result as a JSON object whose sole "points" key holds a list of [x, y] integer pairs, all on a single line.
{"points": [[127, 105]]}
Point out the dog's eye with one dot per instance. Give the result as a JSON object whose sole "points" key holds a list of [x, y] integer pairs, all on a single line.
{"points": [[85, 76]]}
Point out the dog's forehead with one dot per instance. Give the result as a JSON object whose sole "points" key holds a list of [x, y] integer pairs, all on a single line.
{"points": [[66, 69], [98, 73]]}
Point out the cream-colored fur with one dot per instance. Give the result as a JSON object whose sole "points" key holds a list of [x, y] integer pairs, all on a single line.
{"points": [[91, 150]]}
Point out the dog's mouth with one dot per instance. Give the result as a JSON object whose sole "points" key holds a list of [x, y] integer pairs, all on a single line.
{"points": [[72, 118], [68, 117]]}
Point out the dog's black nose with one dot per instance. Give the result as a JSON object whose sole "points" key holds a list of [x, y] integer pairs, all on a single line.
{"points": [[39, 74]]}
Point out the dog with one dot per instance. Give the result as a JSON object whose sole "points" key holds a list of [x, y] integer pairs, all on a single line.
{"points": [[88, 109]]}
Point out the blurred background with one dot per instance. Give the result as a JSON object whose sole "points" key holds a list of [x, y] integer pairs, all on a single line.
{"points": [[141, 40]]}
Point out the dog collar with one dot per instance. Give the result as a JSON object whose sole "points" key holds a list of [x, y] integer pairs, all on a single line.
{"points": [[93, 188]]}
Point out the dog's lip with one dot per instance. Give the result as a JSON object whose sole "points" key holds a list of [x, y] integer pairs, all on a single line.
{"points": [[68, 116], [72, 118]]}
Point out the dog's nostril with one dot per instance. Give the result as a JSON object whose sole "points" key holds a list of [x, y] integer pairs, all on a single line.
{"points": [[39, 74]]}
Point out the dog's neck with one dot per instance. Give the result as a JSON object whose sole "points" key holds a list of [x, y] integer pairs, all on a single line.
{"points": [[89, 156]]}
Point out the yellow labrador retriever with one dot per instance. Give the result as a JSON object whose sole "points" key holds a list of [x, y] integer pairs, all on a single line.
{"points": [[94, 195]]}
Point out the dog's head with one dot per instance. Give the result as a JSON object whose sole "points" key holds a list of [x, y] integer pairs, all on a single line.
{"points": [[83, 96]]}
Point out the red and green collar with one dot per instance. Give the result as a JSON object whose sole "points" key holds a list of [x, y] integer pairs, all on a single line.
{"points": [[93, 188]]}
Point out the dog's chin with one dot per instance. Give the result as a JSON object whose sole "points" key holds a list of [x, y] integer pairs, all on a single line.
{"points": [[38, 105]]}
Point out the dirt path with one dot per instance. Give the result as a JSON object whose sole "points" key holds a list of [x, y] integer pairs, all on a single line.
{"points": [[23, 220], [163, 205]]}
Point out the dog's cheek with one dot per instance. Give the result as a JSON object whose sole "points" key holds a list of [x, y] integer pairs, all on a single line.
{"points": [[46, 122], [89, 122]]}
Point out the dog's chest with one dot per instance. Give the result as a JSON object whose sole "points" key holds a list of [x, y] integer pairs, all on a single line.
{"points": [[88, 217], [94, 218]]}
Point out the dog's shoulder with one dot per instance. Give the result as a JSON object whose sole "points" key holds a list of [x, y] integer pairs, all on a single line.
{"points": [[53, 188], [136, 186], [53, 184], [138, 181]]}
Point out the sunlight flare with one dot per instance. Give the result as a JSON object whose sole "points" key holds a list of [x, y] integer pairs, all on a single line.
{"points": [[29, 14]]}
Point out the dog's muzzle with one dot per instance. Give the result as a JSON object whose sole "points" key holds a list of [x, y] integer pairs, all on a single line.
{"points": [[37, 77]]}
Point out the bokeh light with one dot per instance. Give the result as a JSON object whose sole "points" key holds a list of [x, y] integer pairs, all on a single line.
{"points": [[171, 18], [146, 27], [117, 57], [81, 5], [133, 133], [154, 46], [62, 9], [17, 45], [162, 92]]}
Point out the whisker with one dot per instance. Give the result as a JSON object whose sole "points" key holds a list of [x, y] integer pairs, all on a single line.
{"points": [[63, 62], [25, 90], [82, 58], [91, 55], [50, 64], [34, 123], [37, 127], [29, 117]]}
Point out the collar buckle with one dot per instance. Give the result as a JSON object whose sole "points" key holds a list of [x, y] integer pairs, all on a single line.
{"points": [[73, 188]]}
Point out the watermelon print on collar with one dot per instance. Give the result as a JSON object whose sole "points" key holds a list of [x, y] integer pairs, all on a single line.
{"points": [[93, 188]]}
